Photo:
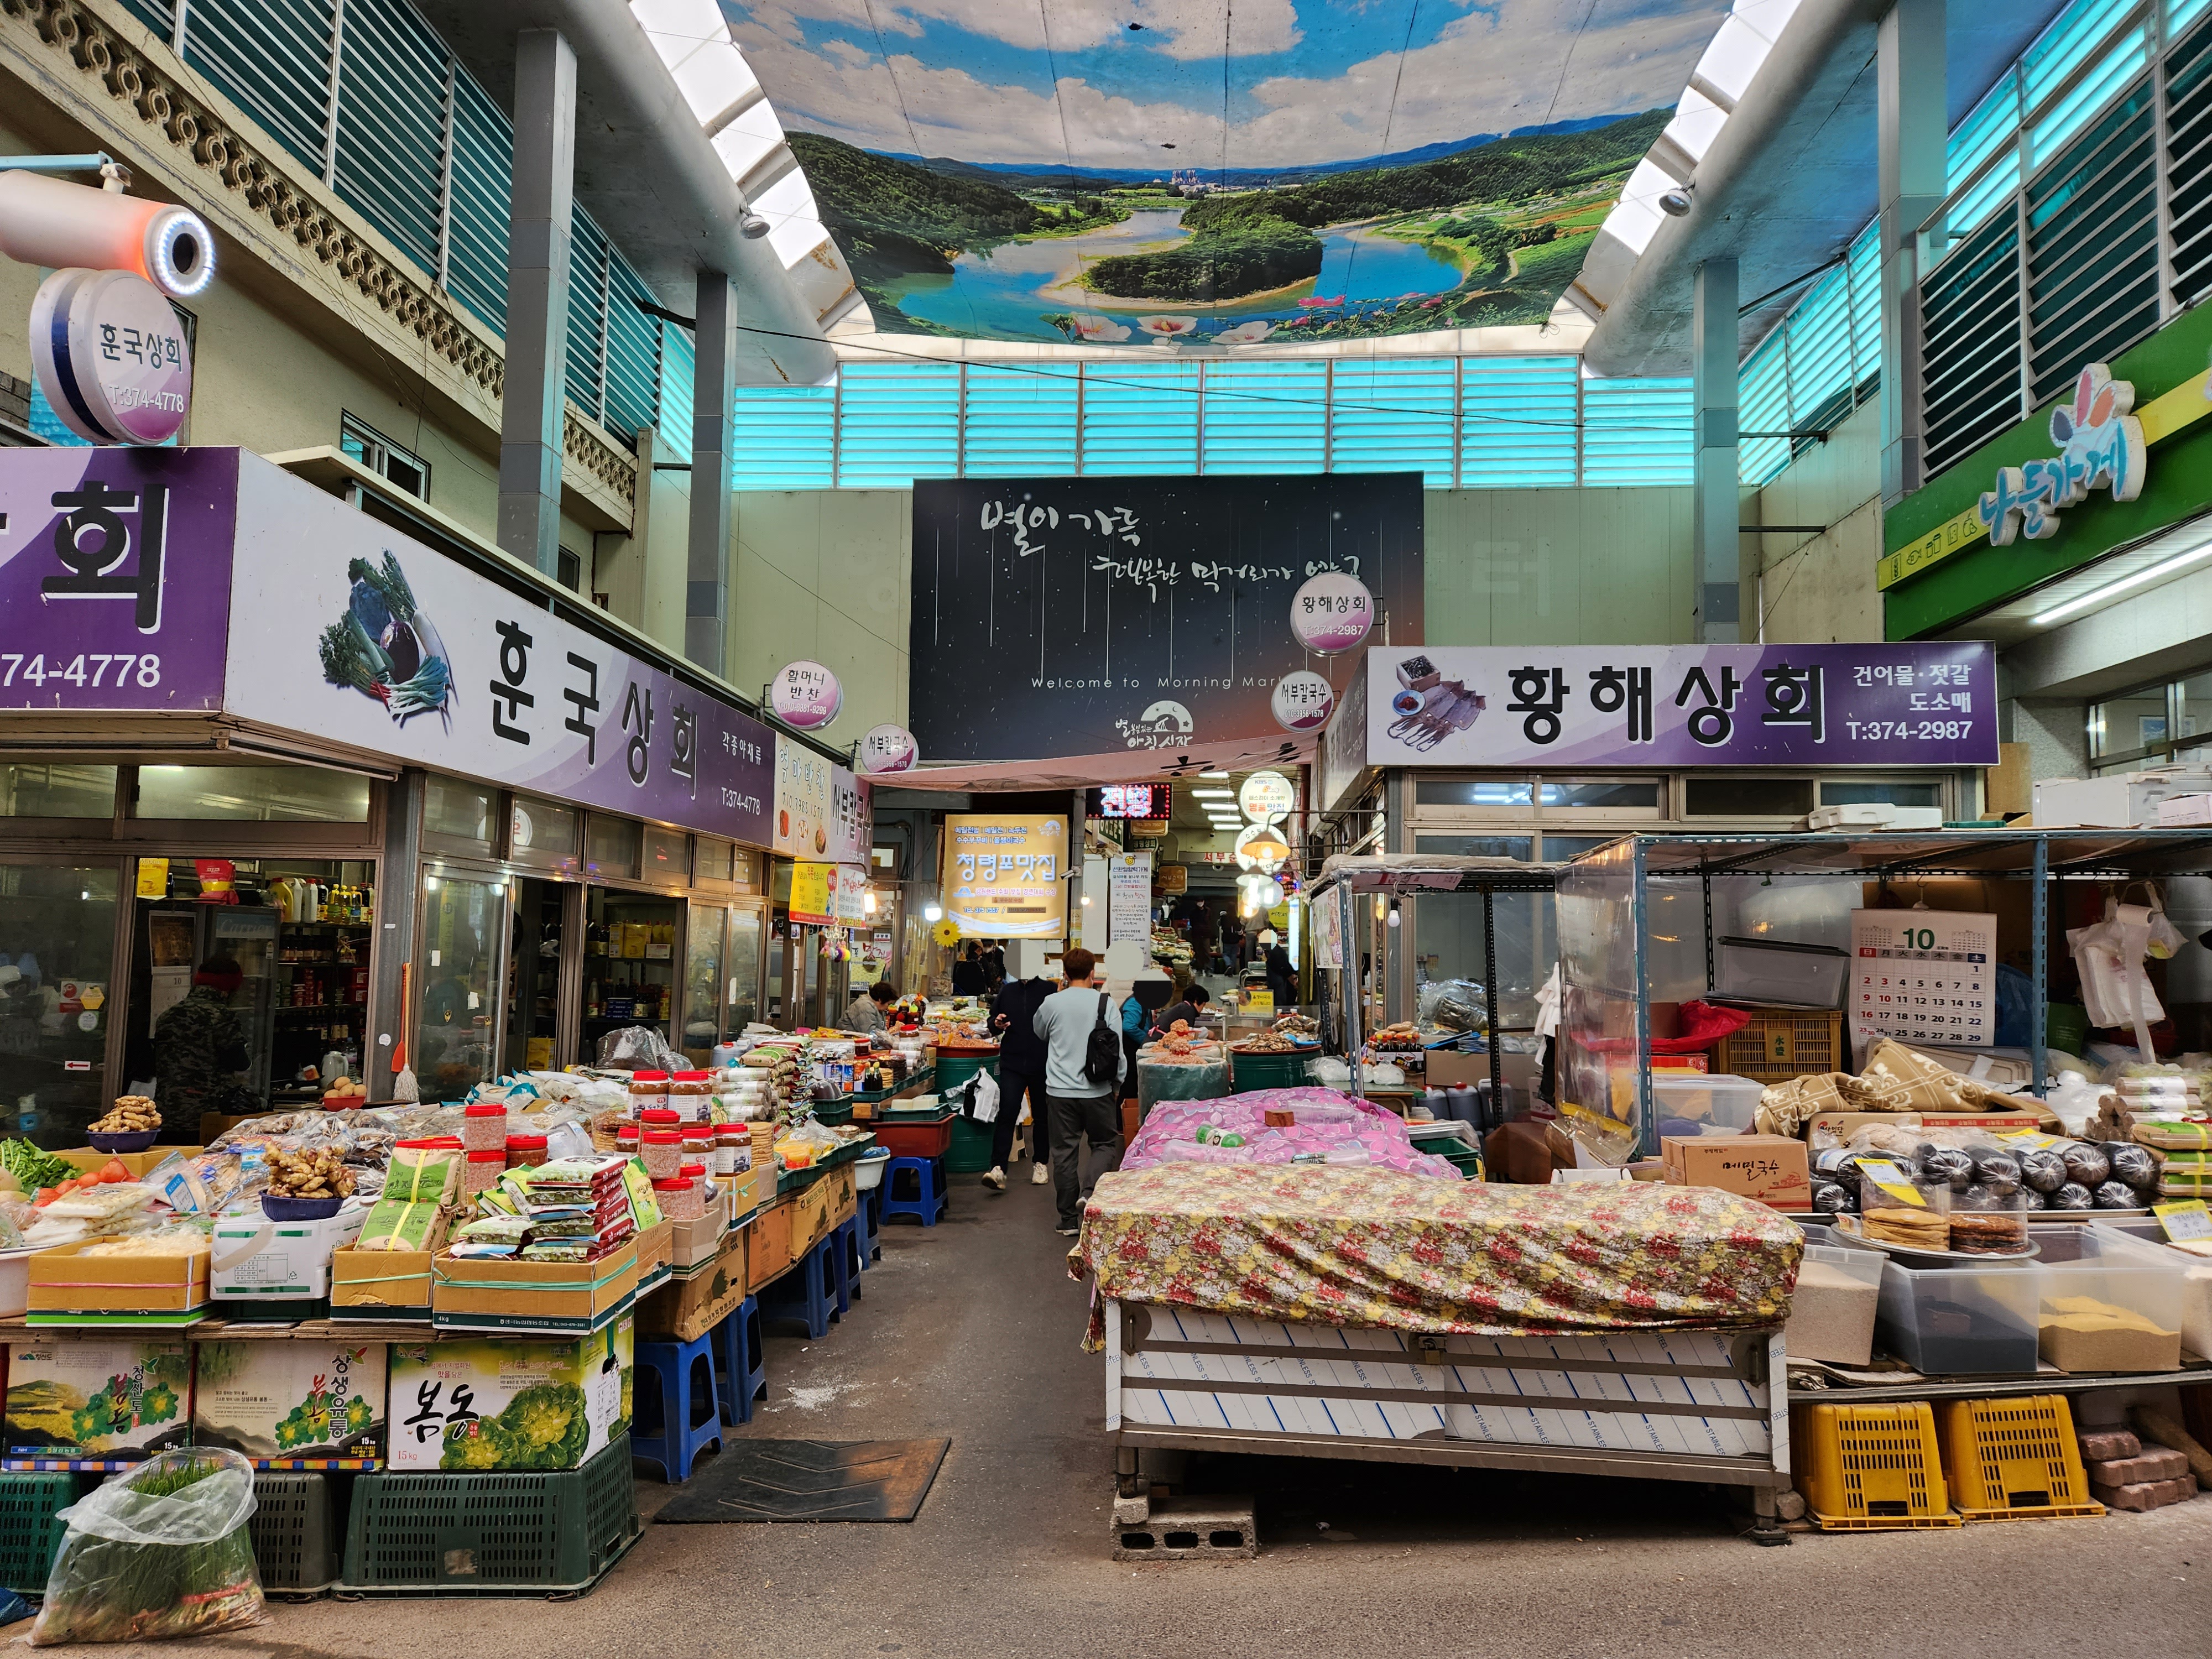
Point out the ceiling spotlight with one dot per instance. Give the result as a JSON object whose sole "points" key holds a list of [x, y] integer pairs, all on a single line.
{"points": [[752, 227], [1675, 203]]}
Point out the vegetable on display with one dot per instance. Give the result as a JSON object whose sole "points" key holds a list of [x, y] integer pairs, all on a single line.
{"points": [[34, 1166]]}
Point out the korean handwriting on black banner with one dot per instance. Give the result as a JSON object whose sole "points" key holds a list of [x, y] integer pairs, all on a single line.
{"points": [[1613, 689], [515, 643], [92, 541]]}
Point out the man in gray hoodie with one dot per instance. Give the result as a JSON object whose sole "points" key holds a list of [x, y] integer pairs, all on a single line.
{"points": [[1077, 1108]]}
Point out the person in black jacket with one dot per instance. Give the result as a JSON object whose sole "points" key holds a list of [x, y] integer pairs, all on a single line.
{"points": [[968, 978], [1021, 1072]]}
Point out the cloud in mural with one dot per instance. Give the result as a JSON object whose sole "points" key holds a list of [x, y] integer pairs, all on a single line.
{"points": [[1052, 171]]}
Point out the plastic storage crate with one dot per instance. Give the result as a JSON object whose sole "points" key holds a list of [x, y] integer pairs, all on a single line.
{"points": [[1248, 1073], [1781, 1043], [2014, 1460], [522, 1534], [921, 1136], [295, 1543], [1870, 1468], [29, 1535]]}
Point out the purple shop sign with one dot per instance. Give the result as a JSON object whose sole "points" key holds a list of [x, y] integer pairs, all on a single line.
{"points": [[115, 578], [346, 630], [1690, 705]]}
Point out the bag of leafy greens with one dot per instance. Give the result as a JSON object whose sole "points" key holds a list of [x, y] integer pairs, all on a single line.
{"points": [[161, 1550]]}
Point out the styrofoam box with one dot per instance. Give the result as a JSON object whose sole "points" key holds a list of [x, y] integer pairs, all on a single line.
{"points": [[1721, 1101], [257, 1259], [2118, 801]]}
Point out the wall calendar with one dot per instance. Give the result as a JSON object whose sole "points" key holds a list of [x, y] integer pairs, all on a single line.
{"points": [[1925, 975]]}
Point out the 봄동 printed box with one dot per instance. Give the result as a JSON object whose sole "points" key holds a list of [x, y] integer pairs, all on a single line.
{"points": [[506, 1404], [98, 1399], [274, 1401]]}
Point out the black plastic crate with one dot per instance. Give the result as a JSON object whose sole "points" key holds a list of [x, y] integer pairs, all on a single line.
{"points": [[295, 1541], [523, 1534]]}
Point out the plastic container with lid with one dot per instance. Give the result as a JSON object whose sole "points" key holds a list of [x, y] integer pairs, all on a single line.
{"points": [[1781, 970], [483, 1171], [1960, 1322], [524, 1151], [1720, 1104], [663, 1152], [626, 1142], [679, 1198], [1831, 1311], [660, 1117], [733, 1149], [690, 1095], [648, 1091], [2108, 1301], [484, 1126]]}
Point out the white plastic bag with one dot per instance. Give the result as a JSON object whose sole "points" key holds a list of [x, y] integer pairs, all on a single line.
{"points": [[983, 1102], [2115, 989]]}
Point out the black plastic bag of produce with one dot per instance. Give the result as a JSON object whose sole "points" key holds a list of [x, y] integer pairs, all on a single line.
{"points": [[160, 1551]]}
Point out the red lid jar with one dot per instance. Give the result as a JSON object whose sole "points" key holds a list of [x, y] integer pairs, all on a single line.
{"points": [[524, 1151], [483, 1171], [484, 1126], [663, 1152], [679, 1198]]}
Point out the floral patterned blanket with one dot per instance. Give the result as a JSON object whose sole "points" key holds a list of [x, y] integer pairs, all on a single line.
{"points": [[1366, 1247], [1331, 1125]]}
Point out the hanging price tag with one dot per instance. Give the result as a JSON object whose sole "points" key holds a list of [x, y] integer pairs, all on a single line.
{"points": [[2185, 1218]]}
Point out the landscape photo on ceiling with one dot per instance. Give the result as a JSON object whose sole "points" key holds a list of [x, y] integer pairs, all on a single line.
{"points": [[1160, 170]]}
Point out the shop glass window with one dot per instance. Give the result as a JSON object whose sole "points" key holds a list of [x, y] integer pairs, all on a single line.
{"points": [[2135, 723], [542, 832], [56, 789], [459, 811], [2192, 710], [58, 932], [1854, 792], [252, 794], [712, 860], [462, 929], [401, 468], [1604, 794], [610, 846], [1474, 792], [1557, 849], [1478, 846], [1746, 798], [703, 983], [668, 855], [742, 982]]}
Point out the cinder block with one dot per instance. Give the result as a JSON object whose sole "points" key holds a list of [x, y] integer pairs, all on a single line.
{"points": [[2101, 1445], [1132, 1511], [2151, 1463], [1190, 1529]]}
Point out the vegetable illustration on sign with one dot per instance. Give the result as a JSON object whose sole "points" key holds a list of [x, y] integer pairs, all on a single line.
{"points": [[386, 648], [2101, 447]]}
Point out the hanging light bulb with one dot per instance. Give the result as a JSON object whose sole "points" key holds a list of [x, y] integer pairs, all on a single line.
{"points": [[1394, 913], [932, 913]]}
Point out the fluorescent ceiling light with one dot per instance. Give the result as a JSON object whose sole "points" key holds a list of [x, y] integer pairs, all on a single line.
{"points": [[1213, 794], [1213, 774], [2113, 590]]}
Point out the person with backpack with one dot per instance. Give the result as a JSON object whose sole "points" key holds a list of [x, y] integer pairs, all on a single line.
{"points": [[1084, 1064]]}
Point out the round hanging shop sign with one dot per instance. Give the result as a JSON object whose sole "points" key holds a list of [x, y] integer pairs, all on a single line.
{"points": [[110, 355], [1261, 846], [805, 694], [1267, 796], [1302, 702], [888, 748], [1331, 613]]}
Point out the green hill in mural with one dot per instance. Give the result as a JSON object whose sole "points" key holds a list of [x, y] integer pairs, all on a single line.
{"points": [[1239, 247]]}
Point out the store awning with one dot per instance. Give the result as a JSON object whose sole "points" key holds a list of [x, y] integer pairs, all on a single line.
{"points": [[1115, 766]]}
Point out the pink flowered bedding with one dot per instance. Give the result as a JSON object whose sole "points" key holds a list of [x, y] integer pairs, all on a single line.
{"points": [[1337, 1127]]}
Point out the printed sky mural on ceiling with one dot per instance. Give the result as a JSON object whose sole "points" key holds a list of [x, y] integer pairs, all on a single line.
{"points": [[1120, 174]]}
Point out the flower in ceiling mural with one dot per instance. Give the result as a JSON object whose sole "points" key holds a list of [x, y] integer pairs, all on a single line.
{"points": [[989, 169], [1168, 327]]}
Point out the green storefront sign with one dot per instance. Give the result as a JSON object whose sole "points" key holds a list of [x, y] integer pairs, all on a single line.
{"points": [[1939, 567]]}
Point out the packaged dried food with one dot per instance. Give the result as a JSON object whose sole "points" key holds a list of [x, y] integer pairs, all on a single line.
{"points": [[2072, 1196], [1949, 1164], [679, 1198], [482, 1171], [663, 1152], [2085, 1163], [2136, 1165], [1986, 1223], [1995, 1169], [648, 1091], [524, 1151], [2042, 1170], [2116, 1195], [1833, 1198]]}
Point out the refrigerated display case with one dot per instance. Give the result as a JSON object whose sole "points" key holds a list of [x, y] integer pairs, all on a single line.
{"points": [[56, 959]]}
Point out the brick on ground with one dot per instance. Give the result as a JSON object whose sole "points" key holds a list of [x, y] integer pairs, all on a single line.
{"points": [[2152, 1463], [2145, 1494]]}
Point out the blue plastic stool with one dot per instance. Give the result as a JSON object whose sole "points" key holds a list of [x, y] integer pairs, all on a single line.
{"points": [[868, 1211], [740, 1369], [681, 1394], [808, 1293], [929, 1202], [845, 1256]]}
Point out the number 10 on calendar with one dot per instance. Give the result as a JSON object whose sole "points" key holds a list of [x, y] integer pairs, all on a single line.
{"points": [[1925, 975]]}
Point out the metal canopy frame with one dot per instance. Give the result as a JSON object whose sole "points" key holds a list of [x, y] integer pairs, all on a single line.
{"points": [[1426, 873], [2039, 857]]}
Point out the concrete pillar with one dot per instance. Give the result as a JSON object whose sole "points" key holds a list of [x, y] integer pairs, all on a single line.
{"points": [[707, 584], [1913, 168], [539, 225], [1714, 511]]}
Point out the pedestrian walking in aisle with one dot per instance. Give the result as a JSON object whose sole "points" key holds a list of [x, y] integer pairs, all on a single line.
{"points": [[1021, 1072], [1084, 1064]]}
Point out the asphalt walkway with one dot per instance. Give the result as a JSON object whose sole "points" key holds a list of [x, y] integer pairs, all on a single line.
{"points": [[969, 1331]]}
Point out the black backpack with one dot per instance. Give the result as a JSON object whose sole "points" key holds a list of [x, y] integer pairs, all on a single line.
{"points": [[1102, 1053]]}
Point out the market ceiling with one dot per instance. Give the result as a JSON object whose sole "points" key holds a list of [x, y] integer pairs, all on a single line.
{"points": [[1271, 170]]}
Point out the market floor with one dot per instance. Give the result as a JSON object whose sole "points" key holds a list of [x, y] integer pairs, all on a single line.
{"points": [[969, 1331]]}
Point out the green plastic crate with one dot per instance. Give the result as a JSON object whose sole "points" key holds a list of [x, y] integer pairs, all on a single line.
{"points": [[30, 1536], [294, 1544], [524, 1533]]}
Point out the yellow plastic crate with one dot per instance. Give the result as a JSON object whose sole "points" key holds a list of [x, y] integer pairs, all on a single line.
{"points": [[1869, 1468], [1781, 1043], [2016, 1459]]}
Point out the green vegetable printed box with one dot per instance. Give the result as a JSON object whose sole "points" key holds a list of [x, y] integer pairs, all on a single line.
{"points": [[274, 1401], [98, 1399], [509, 1404]]}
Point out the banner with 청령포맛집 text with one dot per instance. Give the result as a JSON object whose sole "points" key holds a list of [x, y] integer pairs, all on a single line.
{"points": [[1930, 703], [1002, 875]]}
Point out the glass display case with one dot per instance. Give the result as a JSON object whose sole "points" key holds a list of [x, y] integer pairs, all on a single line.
{"points": [[56, 959]]}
